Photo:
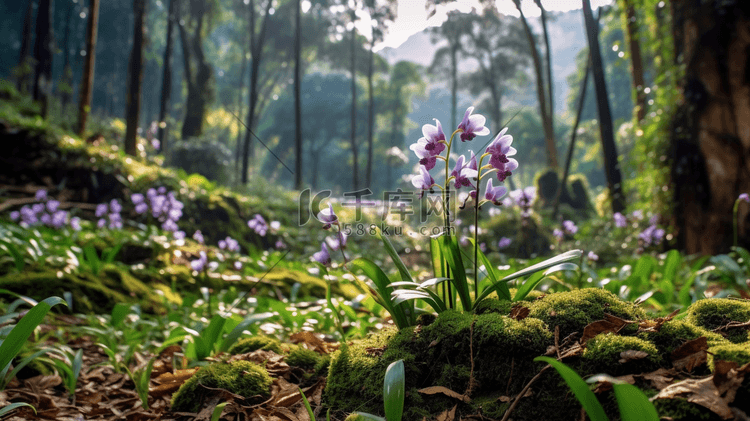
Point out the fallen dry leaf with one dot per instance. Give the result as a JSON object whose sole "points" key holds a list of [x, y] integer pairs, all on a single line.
{"points": [[519, 312], [433, 390], [612, 324], [660, 378], [691, 354], [448, 414], [654, 325]]}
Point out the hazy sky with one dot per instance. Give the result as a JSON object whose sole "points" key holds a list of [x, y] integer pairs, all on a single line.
{"points": [[412, 15]]}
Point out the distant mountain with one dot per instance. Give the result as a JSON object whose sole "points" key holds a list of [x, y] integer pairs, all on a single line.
{"points": [[566, 36]]}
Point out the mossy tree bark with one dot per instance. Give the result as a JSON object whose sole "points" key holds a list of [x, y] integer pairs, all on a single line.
{"points": [[630, 23], [87, 84], [135, 79], [710, 138], [198, 72], [23, 60], [166, 81], [43, 54]]}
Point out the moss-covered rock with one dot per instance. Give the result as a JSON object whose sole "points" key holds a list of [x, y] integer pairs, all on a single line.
{"points": [[302, 357], [713, 313], [739, 353], [604, 352], [674, 333], [255, 343], [573, 310], [239, 377]]}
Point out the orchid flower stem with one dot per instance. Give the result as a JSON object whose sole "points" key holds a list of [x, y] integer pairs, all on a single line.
{"points": [[476, 228], [735, 211], [446, 209], [341, 245], [334, 309]]}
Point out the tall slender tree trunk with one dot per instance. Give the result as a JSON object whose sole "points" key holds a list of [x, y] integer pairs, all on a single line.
{"points": [[256, 51], [549, 134], [135, 79], [298, 96], [353, 124], [166, 83], [43, 54], [87, 83], [454, 86], [24, 65], [636, 63], [370, 117], [548, 66], [199, 79], [67, 71], [611, 164], [240, 95], [710, 127]]}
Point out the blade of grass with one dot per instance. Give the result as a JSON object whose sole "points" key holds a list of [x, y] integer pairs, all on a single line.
{"points": [[580, 389]]}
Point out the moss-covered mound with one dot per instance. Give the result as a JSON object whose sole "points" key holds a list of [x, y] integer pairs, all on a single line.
{"points": [[239, 377], [501, 350], [718, 313], [255, 343]]}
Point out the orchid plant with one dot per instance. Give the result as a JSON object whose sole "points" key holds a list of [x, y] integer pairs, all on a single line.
{"points": [[399, 297]]}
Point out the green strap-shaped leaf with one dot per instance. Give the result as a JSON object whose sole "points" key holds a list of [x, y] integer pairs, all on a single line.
{"points": [[565, 257], [8, 408], [307, 405], [458, 273], [405, 275], [502, 287], [534, 279], [21, 332], [394, 386], [633, 404], [235, 334], [580, 389], [382, 285], [220, 408]]}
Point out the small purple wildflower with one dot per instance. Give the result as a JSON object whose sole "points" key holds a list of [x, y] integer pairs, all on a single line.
{"points": [[52, 206], [199, 264], [101, 210], [237, 266], [620, 220], [570, 227], [557, 232], [745, 197], [40, 195], [328, 217], [15, 215], [75, 223], [198, 236], [593, 256], [504, 243]]}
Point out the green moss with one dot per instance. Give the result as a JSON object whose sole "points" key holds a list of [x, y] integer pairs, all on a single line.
{"points": [[602, 354], [573, 310], [240, 377], [302, 357], [255, 343], [712, 313], [675, 333], [739, 353], [491, 305]]}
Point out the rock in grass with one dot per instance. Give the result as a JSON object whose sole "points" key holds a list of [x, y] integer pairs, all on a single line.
{"points": [[239, 377]]}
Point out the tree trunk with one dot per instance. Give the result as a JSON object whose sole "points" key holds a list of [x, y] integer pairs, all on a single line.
{"points": [[238, 145], [67, 71], [353, 124], [611, 164], [636, 64], [87, 83], [548, 62], [370, 118], [43, 54], [298, 97], [256, 50], [710, 138], [166, 82], [549, 134], [135, 73], [24, 65]]}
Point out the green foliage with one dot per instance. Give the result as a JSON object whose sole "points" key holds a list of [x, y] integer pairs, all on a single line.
{"points": [[581, 390], [714, 313], [254, 343]]}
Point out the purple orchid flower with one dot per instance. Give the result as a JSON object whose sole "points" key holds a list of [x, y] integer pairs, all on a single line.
{"points": [[200, 264], [472, 125], [323, 257], [334, 243], [494, 194], [423, 181], [426, 157], [328, 217], [463, 173], [745, 197], [500, 150]]}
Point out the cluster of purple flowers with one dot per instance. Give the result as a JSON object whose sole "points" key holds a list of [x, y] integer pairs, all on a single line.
{"points": [[568, 227], [109, 215], [504, 243], [258, 224], [653, 235], [163, 205], [523, 198], [229, 244], [47, 212], [465, 172]]}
